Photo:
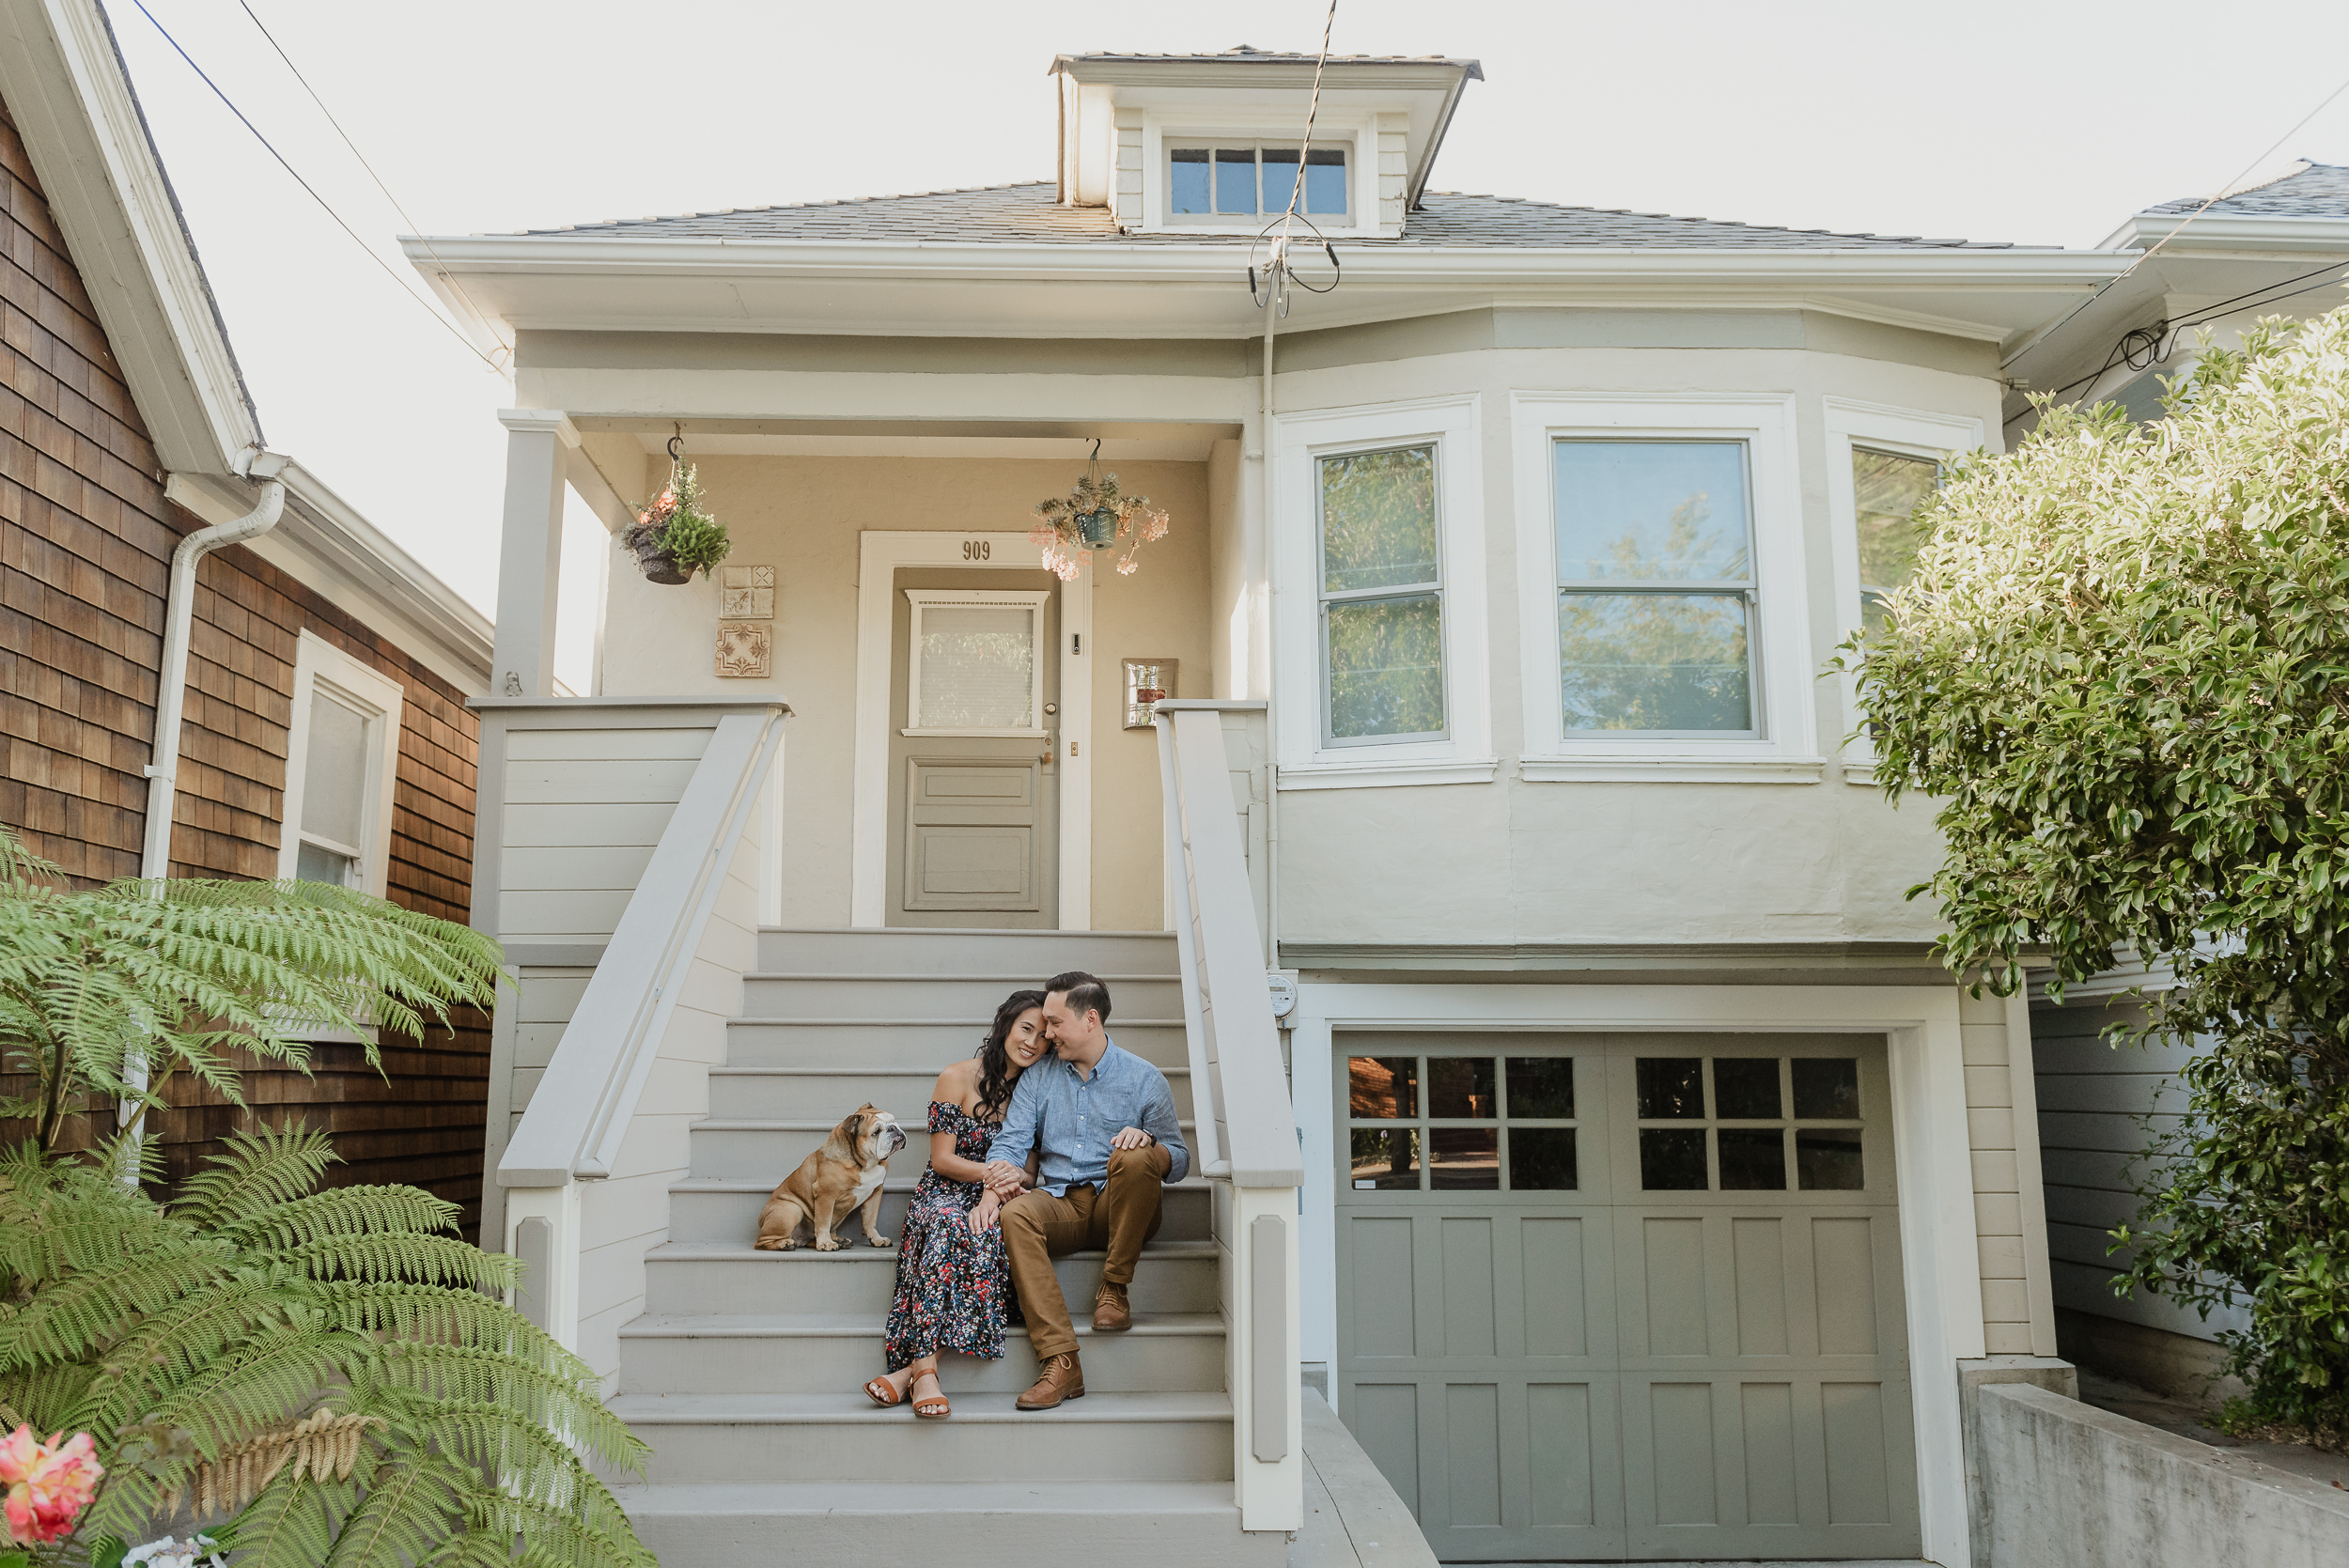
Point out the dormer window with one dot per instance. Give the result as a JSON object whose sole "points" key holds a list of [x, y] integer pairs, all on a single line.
{"points": [[1219, 181]]}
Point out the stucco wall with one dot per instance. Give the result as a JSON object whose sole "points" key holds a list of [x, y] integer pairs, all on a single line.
{"points": [[803, 516]]}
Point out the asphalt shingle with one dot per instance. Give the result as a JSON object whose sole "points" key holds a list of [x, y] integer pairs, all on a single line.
{"points": [[2316, 191]]}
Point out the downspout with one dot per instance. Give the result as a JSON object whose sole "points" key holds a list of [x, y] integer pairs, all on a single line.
{"points": [[1272, 654], [171, 690]]}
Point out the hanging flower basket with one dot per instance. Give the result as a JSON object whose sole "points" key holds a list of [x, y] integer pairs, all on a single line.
{"points": [[1095, 514], [673, 537]]}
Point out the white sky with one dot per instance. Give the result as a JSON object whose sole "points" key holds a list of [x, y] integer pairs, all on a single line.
{"points": [[2039, 121]]}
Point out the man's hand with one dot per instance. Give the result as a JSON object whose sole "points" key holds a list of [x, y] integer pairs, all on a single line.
{"points": [[983, 1214], [1004, 1179], [1131, 1137]]}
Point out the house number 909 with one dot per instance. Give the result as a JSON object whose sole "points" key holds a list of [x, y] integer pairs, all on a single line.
{"points": [[977, 549]]}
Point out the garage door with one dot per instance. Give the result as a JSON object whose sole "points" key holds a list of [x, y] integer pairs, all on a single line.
{"points": [[1627, 1296]]}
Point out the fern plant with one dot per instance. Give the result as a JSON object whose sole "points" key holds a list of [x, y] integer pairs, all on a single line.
{"points": [[144, 981], [314, 1377]]}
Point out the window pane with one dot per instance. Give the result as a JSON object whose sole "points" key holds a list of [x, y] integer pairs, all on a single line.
{"points": [[1887, 489], [1386, 667], [1188, 190], [1827, 1088], [1381, 1088], [1280, 177], [333, 772], [1385, 1159], [1379, 519], [1829, 1160], [1236, 179], [1652, 510], [1745, 1089], [1464, 1160], [1460, 1086], [1753, 1160], [1670, 1088], [314, 864], [1541, 1086], [1541, 1159], [1654, 661], [1672, 1160], [1324, 180], [978, 667]]}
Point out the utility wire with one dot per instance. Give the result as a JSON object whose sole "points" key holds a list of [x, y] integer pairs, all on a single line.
{"points": [[413, 226], [446, 325], [2160, 340], [2148, 256]]}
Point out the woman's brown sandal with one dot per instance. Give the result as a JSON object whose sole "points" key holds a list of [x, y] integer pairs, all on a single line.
{"points": [[930, 1409], [884, 1393]]}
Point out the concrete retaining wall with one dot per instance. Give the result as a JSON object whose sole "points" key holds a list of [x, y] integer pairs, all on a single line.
{"points": [[2068, 1486]]}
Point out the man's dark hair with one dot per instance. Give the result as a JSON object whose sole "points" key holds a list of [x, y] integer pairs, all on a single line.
{"points": [[1086, 993]]}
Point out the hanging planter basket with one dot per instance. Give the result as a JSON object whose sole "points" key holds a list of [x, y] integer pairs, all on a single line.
{"points": [[673, 537], [1095, 514]]}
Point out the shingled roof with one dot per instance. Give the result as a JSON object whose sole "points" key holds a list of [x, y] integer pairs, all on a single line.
{"points": [[2311, 190], [1030, 213]]}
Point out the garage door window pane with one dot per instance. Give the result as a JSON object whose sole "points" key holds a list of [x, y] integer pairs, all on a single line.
{"points": [[1672, 1160], [1753, 1160], [1541, 1159], [1383, 1088], [1826, 1089], [1461, 1086], [1386, 1158], [1464, 1158], [1672, 1088], [1541, 1086], [1827, 1160], [1745, 1089]]}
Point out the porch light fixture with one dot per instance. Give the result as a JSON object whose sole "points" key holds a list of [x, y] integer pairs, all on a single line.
{"points": [[1094, 515]]}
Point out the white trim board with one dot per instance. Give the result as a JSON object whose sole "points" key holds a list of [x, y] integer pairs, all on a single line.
{"points": [[318, 662], [1941, 1265], [879, 554]]}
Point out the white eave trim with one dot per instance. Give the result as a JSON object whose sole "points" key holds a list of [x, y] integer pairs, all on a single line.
{"points": [[2229, 231]]}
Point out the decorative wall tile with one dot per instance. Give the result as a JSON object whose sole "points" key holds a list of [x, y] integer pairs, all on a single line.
{"points": [[745, 649], [746, 593]]}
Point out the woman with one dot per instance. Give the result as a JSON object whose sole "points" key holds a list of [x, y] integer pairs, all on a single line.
{"points": [[954, 1281]]}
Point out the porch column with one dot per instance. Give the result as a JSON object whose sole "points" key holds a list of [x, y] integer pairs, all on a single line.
{"points": [[530, 560]]}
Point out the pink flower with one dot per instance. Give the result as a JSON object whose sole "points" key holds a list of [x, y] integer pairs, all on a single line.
{"points": [[48, 1483]]}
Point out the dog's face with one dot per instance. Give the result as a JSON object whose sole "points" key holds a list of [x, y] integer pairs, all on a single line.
{"points": [[873, 1133]]}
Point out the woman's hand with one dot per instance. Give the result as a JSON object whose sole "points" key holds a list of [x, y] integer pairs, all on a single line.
{"points": [[983, 1214]]}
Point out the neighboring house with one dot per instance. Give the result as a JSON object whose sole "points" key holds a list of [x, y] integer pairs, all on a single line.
{"points": [[2274, 248], [323, 674], [1644, 1188]]}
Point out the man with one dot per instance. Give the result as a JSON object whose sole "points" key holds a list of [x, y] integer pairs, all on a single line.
{"points": [[1104, 1120]]}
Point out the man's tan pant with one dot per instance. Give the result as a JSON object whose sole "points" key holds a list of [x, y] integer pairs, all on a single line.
{"points": [[1039, 1227]]}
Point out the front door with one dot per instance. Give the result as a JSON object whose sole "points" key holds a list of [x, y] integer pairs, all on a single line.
{"points": [[974, 688], [1608, 1297]]}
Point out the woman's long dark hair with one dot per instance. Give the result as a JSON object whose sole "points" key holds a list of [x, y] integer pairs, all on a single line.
{"points": [[995, 1073]]}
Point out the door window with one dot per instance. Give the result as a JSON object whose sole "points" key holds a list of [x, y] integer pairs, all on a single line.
{"points": [[975, 663]]}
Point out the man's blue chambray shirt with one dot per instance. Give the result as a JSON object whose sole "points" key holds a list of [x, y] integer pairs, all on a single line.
{"points": [[1072, 1119]]}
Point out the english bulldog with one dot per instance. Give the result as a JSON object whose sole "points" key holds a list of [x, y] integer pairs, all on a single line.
{"points": [[846, 1174]]}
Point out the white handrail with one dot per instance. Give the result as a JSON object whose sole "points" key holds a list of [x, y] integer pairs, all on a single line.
{"points": [[572, 1128]]}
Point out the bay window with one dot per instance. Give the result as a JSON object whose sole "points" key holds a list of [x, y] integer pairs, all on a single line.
{"points": [[1381, 598]]}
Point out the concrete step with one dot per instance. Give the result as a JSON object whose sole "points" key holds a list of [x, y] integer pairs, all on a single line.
{"points": [[891, 1039], [737, 1438], [727, 1209], [826, 993], [769, 1149], [903, 1518], [806, 1092], [734, 1276], [816, 1353], [907, 950]]}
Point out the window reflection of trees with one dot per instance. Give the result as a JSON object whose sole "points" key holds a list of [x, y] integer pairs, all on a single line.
{"points": [[1657, 660]]}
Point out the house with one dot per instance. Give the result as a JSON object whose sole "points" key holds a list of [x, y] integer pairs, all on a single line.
{"points": [[2274, 247], [213, 665], [1639, 1186]]}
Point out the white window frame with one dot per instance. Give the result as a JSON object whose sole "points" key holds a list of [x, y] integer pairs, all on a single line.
{"points": [[1357, 133], [1464, 755], [320, 665], [1259, 145], [1908, 432], [922, 599], [1784, 748]]}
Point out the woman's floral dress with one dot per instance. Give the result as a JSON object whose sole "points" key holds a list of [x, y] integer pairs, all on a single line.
{"points": [[954, 1289]]}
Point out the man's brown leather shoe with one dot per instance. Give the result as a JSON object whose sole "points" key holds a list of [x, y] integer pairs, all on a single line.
{"points": [[1110, 1313], [1063, 1379]]}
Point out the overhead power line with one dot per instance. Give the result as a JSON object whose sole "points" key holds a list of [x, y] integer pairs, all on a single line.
{"points": [[446, 325]]}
